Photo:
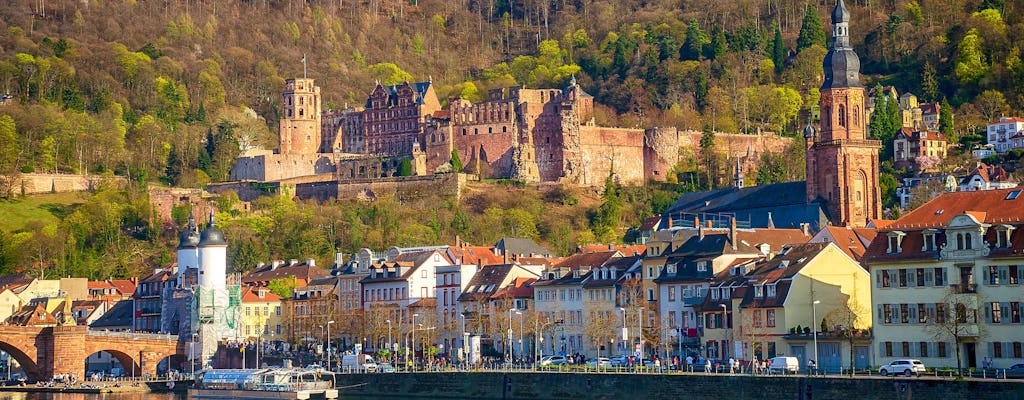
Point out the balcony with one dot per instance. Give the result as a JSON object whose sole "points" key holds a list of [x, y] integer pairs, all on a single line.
{"points": [[694, 300], [964, 288]]}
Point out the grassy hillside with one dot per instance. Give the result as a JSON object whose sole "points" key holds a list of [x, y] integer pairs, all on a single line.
{"points": [[43, 209]]}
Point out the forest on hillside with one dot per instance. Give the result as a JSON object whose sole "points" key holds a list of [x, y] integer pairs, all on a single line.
{"points": [[169, 92]]}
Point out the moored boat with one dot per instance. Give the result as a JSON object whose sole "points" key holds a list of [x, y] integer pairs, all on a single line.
{"points": [[271, 383]]}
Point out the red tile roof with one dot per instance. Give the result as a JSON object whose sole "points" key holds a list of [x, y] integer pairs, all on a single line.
{"points": [[480, 255], [988, 206], [628, 250], [1004, 120], [250, 295]]}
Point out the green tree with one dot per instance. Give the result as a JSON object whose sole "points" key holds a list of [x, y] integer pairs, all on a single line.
{"points": [[811, 30], [946, 126], [609, 213], [707, 152], [778, 49], [694, 43], [389, 74], [405, 168], [719, 44], [971, 62], [456, 162], [283, 286], [929, 83]]}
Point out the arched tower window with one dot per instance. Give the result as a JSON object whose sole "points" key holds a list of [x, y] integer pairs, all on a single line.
{"points": [[856, 116], [842, 115], [967, 241], [960, 241]]}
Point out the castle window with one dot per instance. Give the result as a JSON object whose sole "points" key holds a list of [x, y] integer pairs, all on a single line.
{"points": [[475, 131], [842, 116], [504, 129], [463, 131], [490, 130]]}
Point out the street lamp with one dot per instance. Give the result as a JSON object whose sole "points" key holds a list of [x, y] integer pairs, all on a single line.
{"points": [[414, 316], [328, 344], [640, 332], [814, 316], [725, 324], [388, 346], [625, 330], [510, 343]]}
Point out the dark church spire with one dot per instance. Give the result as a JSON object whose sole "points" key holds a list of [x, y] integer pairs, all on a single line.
{"points": [[842, 66]]}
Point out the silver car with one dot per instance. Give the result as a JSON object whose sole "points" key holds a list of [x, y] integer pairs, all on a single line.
{"points": [[906, 367]]}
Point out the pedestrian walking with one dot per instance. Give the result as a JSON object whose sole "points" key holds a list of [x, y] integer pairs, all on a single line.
{"points": [[707, 366], [732, 362]]}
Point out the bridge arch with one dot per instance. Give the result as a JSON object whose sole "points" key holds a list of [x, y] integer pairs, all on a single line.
{"points": [[26, 361], [129, 363]]}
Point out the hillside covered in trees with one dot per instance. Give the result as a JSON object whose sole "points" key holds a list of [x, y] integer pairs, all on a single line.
{"points": [[170, 91]]}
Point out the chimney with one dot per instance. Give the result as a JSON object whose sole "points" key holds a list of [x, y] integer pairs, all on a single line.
{"points": [[805, 228], [732, 232], [611, 247], [696, 222], [310, 262], [293, 261], [669, 222], [339, 258], [458, 241], [700, 232], [710, 223]]}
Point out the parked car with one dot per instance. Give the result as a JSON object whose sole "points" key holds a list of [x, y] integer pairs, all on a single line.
{"points": [[602, 362], [618, 361], [1015, 372], [358, 362], [906, 367], [117, 372], [552, 360], [385, 367], [783, 365]]}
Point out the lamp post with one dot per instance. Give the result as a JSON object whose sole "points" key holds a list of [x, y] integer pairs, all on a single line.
{"points": [[414, 339], [328, 344], [625, 330], [640, 332], [462, 338], [510, 342], [192, 352], [725, 324], [814, 316], [388, 345]]}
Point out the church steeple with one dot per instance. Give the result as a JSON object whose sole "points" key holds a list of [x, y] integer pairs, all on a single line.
{"points": [[842, 66], [737, 177], [842, 165]]}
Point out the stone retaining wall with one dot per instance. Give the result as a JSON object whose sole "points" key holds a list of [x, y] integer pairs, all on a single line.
{"points": [[562, 386]]}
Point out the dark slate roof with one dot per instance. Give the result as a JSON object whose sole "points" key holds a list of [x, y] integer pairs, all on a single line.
{"points": [[521, 247], [485, 282], [786, 202], [301, 271], [620, 265], [120, 315], [419, 89]]}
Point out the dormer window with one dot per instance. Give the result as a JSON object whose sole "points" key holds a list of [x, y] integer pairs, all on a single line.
{"points": [[771, 290], [895, 241], [758, 291], [1003, 233], [726, 293], [671, 269], [702, 266], [929, 239], [714, 295]]}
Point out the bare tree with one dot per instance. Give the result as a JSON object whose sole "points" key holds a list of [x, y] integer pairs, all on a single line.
{"points": [[956, 318], [845, 320]]}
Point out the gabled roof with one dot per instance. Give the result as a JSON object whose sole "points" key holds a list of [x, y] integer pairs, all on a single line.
{"points": [[32, 315], [621, 265], [786, 203], [624, 249], [650, 224], [123, 286], [930, 108], [118, 316], [419, 92], [521, 247], [161, 275], [15, 282], [468, 255], [579, 266], [520, 288], [417, 258], [486, 282], [251, 294], [987, 173], [780, 272], [303, 273], [852, 241]]}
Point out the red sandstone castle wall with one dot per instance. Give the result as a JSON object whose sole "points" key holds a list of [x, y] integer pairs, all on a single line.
{"points": [[607, 148]]}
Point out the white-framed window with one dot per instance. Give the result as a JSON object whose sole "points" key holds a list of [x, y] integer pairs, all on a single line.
{"points": [[702, 266]]}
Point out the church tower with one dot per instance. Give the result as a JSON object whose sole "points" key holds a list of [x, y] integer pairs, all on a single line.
{"points": [[842, 164], [300, 122]]}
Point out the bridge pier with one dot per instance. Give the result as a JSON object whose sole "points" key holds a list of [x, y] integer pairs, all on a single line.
{"points": [[68, 352]]}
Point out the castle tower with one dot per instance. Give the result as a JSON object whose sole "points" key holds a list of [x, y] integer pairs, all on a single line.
{"points": [[842, 165], [737, 177], [188, 249], [300, 123]]}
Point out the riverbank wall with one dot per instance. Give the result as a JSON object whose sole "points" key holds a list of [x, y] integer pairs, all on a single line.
{"points": [[561, 386]]}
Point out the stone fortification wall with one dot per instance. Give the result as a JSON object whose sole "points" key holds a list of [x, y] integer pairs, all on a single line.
{"points": [[273, 167], [736, 145], [661, 152], [59, 183], [613, 386], [605, 149], [448, 184], [165, 199]]}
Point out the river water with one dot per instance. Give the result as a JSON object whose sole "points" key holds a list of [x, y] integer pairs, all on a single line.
{"points": [[110, 396]]}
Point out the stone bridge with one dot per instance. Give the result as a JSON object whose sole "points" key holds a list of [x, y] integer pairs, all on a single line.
{"points": [[44, 352]]}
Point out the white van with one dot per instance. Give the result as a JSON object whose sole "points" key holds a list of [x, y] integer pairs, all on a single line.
{"points": [[784, 365], [358, 363]]}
